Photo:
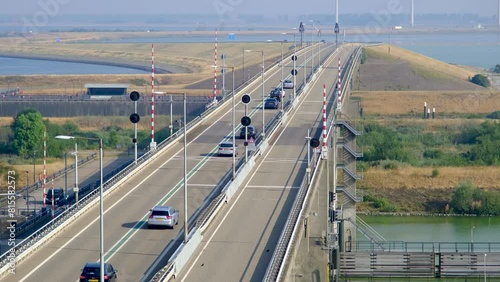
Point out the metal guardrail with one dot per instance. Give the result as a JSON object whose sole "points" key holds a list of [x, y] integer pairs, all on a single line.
{"points": [[279, 255], [62, 213], [36, 185], [211, 209], [282, 250]]}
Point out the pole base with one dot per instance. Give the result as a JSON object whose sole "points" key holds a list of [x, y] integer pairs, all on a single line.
{"points": [[152, 146]]}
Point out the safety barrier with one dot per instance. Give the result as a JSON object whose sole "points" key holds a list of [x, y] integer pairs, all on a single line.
{"points": [[36, 185], [174, 266], [282, 252]]}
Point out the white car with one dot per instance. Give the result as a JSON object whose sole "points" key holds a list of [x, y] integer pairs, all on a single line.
{"points": [[287, 84], [163, 216], [227, 149]]}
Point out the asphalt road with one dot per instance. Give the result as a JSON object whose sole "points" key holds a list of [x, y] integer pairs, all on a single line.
{"points": [[87, 173], [239, 244], [128, 245]]}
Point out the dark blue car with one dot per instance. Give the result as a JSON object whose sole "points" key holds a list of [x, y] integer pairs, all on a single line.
{"points": [[271, 103]]}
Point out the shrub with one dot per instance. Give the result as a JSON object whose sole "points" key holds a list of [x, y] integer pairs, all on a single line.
{"points": [[481, 80], [497, 68], [435, 172], [494, 115]]}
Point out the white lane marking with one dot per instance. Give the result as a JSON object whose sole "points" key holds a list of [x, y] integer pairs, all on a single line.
{"points": [[272, 187], [116, 203], [242, 190]]}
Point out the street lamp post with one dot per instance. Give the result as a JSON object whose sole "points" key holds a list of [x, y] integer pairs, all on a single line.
{"points": [[27, 191], [76, 189], [336, 29], [101, 216], [484, 267], [294, 67], [34, 167], [186, 227], [234, 128], [65, 174], [263, 110], [281, 96]]}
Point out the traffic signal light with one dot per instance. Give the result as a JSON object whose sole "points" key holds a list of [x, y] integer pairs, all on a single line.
{"points": [[314, 142], [246, 121], [134, 118], [134, 95], [245, 99]]}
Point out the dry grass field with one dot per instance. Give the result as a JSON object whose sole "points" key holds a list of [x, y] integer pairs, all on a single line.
{"points": [[191, 62], [392, 89], [390, 103]]}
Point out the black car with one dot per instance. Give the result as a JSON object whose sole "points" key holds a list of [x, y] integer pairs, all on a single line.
{"points": [[277, 93], [271, 103], [251, 132], [90, 272], [59, 198]]}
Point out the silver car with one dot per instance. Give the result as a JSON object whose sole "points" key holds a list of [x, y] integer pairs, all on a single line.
{"points": [[163, 216], [227, 149], [287, 84]]}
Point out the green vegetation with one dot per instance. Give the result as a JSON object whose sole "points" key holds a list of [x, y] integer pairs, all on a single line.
{"points": [[404, 143], [28, 131], [480, 80], [380, 203], [467, 199], [363, 56], [25, 135], [497, 68]]}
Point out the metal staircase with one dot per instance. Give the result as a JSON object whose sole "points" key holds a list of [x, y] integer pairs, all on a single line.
{"points": [[367, 231]]}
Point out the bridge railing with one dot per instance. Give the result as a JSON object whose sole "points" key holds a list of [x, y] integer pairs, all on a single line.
{"points": [[285, 243], [176, 262], [279, 260]]}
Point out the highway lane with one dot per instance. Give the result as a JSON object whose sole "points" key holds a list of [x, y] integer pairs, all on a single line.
{"points": [[128, 245], [239, 244], [87, 173]]}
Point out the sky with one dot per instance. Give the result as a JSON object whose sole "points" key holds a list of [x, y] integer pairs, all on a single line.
{"points": [[265, 7]]}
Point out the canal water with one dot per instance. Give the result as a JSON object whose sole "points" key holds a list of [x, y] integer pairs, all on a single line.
{"points": [[435, 228]]}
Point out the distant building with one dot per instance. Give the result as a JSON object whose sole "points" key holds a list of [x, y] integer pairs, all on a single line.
{"points": [[106, 89]]}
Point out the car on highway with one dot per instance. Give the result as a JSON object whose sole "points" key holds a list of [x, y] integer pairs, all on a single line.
{"points": [[287, 84], [91, 273], [251, 132], [163, 216], [59, 198], [277, 93], [227, 149], [271, 103]]}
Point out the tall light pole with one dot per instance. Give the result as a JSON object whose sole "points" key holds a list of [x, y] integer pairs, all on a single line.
{"points": [[263, 110], [101, 216], [65, 174], [312, 48], [28, 191], [336, 30], [294, 67], [233, 130], [76, 189], [281, 96], [186, 229], [34, 167], [484, 267]]}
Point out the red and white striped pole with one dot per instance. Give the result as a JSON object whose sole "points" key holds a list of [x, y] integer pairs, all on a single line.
{"points": [[44, 165], [153, 143], [53, 201], [339, 91], [215, 66], [324, 147]]}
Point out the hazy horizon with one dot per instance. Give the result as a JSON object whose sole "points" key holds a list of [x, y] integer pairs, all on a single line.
{"points": [[225, 8]]}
